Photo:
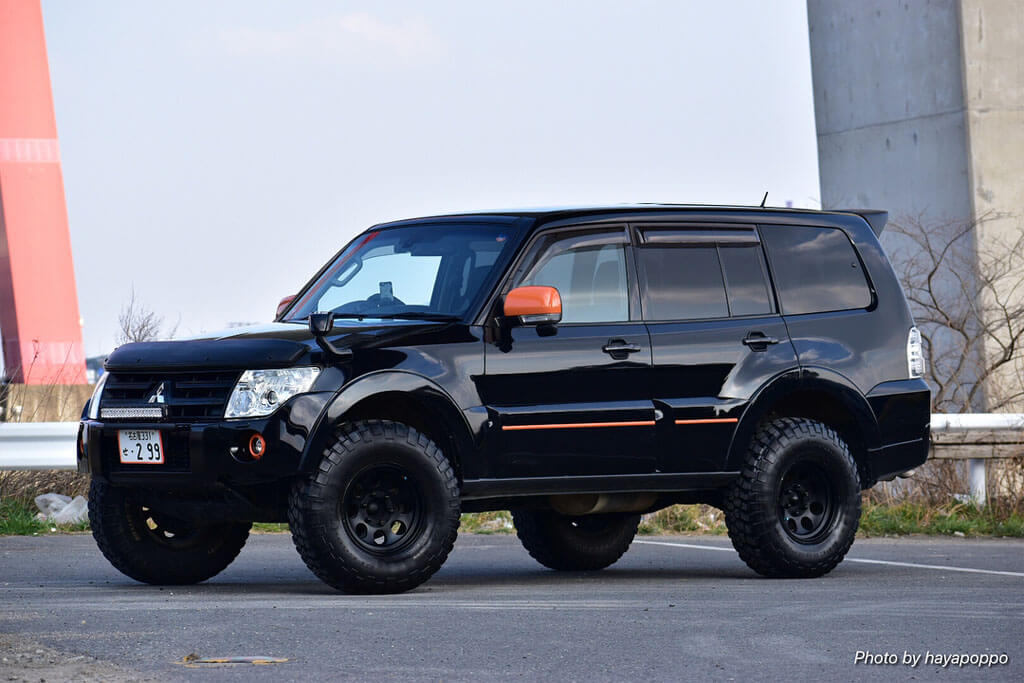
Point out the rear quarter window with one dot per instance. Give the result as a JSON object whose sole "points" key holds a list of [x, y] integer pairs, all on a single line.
{"points": [[815, 269]]}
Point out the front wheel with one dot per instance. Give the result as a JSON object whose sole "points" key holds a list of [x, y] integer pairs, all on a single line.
{"points": [[795, 508], [381, 511], [575, 543], [156, 548]]}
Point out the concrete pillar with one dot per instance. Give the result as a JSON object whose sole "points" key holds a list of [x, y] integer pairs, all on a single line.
{"points": [[919, 106], [992, 38], [889, 107]]}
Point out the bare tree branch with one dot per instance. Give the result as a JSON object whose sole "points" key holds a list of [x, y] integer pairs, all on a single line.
{"points": [[967, 297], [138, 323]]}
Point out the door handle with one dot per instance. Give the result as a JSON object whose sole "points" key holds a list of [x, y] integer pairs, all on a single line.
{"points": [[619, 348], [757, 341]]}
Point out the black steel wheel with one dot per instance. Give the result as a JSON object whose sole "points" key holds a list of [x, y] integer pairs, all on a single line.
{"points": [[381, 511], [807, 502], [794, 510], [157, 548]]}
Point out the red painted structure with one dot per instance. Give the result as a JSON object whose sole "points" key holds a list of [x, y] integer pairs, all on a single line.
{"points": [[39, 321]]}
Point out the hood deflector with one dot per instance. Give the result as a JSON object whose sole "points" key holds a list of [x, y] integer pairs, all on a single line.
{"points": [[235, 354]]}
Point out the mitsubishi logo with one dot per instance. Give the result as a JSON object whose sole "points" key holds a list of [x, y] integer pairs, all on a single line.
{"points": [[158, 395]]}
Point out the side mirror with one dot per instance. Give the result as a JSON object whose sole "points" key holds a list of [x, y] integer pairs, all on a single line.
{"points": [[283, 305], [534, 305]]}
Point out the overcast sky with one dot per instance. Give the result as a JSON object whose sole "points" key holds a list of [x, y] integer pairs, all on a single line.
{"points": [[216, 154]]}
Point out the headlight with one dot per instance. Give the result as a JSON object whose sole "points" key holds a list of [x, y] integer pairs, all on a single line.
{"points": [[97, 394], [261, 392]]}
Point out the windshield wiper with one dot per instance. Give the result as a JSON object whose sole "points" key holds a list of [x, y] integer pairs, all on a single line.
{"points": [[410, 315], [417, 315]]}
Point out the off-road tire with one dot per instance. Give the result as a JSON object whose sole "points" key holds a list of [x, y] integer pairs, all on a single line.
{"points": [[764, 519], [154, 548], [330, 526], [569, 543]]}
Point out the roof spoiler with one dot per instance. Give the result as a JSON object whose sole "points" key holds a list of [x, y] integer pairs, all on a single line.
{"points": [[875, 218]]}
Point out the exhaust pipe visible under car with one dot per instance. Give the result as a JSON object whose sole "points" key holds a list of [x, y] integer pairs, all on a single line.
{"points": [[577, 505]]}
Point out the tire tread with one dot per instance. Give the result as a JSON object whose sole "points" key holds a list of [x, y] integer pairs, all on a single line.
{"points": [[534, 529], [135, 557], [750, 531], [311, 539]]}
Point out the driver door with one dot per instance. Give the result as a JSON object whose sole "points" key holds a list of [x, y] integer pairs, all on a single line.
{"points": [[573, 398]]}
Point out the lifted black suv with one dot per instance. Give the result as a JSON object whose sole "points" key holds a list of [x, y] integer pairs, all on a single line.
{"points": [[579, 366]]}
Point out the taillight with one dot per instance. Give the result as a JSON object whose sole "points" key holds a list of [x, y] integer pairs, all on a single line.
{"points": [[915, 354]]}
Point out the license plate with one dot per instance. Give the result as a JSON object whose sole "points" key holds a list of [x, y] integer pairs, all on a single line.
{"points": [[140, 446]]}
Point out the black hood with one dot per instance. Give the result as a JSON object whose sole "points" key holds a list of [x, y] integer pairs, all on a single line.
{"points": [[275, 345]]}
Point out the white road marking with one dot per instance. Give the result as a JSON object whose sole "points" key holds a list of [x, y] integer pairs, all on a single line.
{"points": [[686, 545], [914, 565], [941, 567]]}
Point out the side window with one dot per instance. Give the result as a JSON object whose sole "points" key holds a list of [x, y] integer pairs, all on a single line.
{"points": [[815, 269], [745, 279], [589, 272], [682, 282]]}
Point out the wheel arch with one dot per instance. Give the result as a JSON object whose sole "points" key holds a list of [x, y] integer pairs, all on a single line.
{"points": [[401, 396], [818, 394]]}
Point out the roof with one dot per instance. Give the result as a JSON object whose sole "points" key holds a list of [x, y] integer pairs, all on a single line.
{"points": [[875, 218]]}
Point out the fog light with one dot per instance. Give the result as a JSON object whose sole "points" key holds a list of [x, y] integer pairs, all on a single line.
{"points": [[257, 446]]}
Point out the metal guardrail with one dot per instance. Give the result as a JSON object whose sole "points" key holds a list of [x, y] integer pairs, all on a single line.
{"points": [[991, 430], [965, 422], [38, 445], [51, 445]]}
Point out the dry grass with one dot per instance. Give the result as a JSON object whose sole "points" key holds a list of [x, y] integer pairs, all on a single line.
{"points": [[25, 485], [497, 522], [938, 484], [18, 490], [684, 519]]}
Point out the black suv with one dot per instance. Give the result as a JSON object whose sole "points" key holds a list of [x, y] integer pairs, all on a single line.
{"points": [[578, 366]]}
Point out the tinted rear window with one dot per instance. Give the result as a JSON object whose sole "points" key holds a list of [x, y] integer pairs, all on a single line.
{"points": [[815, 269], [745, 278]]}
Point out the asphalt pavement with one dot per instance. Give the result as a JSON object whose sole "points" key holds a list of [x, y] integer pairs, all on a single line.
{"points": [[674, 608]]}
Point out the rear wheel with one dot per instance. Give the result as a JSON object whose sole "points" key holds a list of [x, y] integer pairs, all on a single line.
{"points": [[381, 512], [156, 548], [795, 508], [575, 543]]}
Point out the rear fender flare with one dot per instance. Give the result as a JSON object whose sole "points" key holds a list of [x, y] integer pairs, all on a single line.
{"points": [[809, 379]]}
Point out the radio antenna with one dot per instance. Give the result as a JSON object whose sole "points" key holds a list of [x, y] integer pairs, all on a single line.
{"points": [[764, 199]]}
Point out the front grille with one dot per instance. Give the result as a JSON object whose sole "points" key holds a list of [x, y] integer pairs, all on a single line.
{"points": [[189, 396], [176, 452]]}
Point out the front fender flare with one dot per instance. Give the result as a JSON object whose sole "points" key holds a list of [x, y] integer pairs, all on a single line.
{"points": [[417, 387]]}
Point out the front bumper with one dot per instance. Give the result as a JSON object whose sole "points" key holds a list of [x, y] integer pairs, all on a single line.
{"points": [[199, 455]]}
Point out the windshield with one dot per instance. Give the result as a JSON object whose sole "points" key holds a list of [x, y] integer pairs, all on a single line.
{"points": [[430, 271]]}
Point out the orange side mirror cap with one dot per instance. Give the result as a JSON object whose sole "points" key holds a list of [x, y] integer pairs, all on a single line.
{"points": [[534, 305], [283, 305]]}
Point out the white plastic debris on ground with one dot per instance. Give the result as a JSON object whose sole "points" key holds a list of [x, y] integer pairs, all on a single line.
{"points": [[58, 509]]}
